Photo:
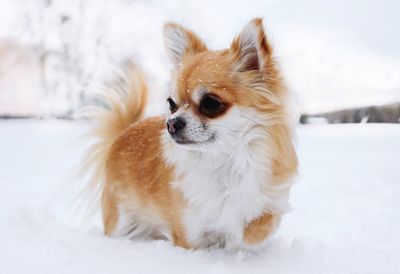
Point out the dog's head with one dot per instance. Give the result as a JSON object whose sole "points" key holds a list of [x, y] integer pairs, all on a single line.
{"points": [[217, 97]]}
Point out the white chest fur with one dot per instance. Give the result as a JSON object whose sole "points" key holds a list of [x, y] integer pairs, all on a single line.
{"points": [[224, 192], [221, 200]]}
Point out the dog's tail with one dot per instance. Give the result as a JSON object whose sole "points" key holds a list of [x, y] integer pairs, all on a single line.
{"points": [[120, 105]]}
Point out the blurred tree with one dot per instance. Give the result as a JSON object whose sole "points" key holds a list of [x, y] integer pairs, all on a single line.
{"points": [[67, 65]]}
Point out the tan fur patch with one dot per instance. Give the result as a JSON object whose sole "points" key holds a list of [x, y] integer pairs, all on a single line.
{"points": [[260, 228], [135, 164]]}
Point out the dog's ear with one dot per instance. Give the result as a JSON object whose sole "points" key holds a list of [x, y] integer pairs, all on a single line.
{"points": [[181, 42], [250, 49]]}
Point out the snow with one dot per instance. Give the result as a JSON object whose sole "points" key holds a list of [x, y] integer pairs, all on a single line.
{"points": [[345, 217]]}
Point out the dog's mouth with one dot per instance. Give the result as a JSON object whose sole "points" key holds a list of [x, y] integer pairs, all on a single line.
{"points": [[182, 140]]}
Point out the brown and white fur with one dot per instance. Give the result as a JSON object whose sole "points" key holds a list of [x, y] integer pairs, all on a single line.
{"points": [[224, 178]]}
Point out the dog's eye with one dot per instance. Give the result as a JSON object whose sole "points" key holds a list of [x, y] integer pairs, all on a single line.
{"points": [[211, 105], [172, 105]]}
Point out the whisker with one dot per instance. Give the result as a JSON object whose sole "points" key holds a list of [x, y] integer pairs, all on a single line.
{"points": [[250, 119], [225, 142], [232, 130]]}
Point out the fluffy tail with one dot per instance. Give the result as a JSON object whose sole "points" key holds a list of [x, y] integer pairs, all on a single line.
{"points": [[120, 106]]}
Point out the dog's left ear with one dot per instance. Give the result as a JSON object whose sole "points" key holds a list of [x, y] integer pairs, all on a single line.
{"points": [[250, 49], [181, 42]]}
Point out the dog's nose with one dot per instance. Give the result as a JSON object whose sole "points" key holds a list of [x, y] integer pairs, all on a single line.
{"points": [[175, 125]]}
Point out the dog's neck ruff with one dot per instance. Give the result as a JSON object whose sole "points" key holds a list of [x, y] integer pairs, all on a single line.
{"points": [[228, 166]]}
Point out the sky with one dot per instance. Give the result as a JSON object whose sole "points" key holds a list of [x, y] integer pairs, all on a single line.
{"points": [[334, 54]]}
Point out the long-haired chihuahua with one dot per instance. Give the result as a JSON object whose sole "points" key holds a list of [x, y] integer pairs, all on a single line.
{"points": [[215, 171]]}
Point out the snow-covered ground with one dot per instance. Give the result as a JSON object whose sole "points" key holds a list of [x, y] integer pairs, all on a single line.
{"points": [[345, 218]]}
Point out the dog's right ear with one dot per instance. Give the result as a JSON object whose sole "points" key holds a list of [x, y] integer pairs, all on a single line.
{"points": [[181, 42]]}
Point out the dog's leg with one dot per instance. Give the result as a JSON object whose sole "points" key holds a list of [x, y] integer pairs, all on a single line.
{"points": [[180, 241], [178, 234], [259, 229]]}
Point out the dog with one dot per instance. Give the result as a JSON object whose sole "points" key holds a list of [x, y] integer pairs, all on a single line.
{"points": [[215, 171]]}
